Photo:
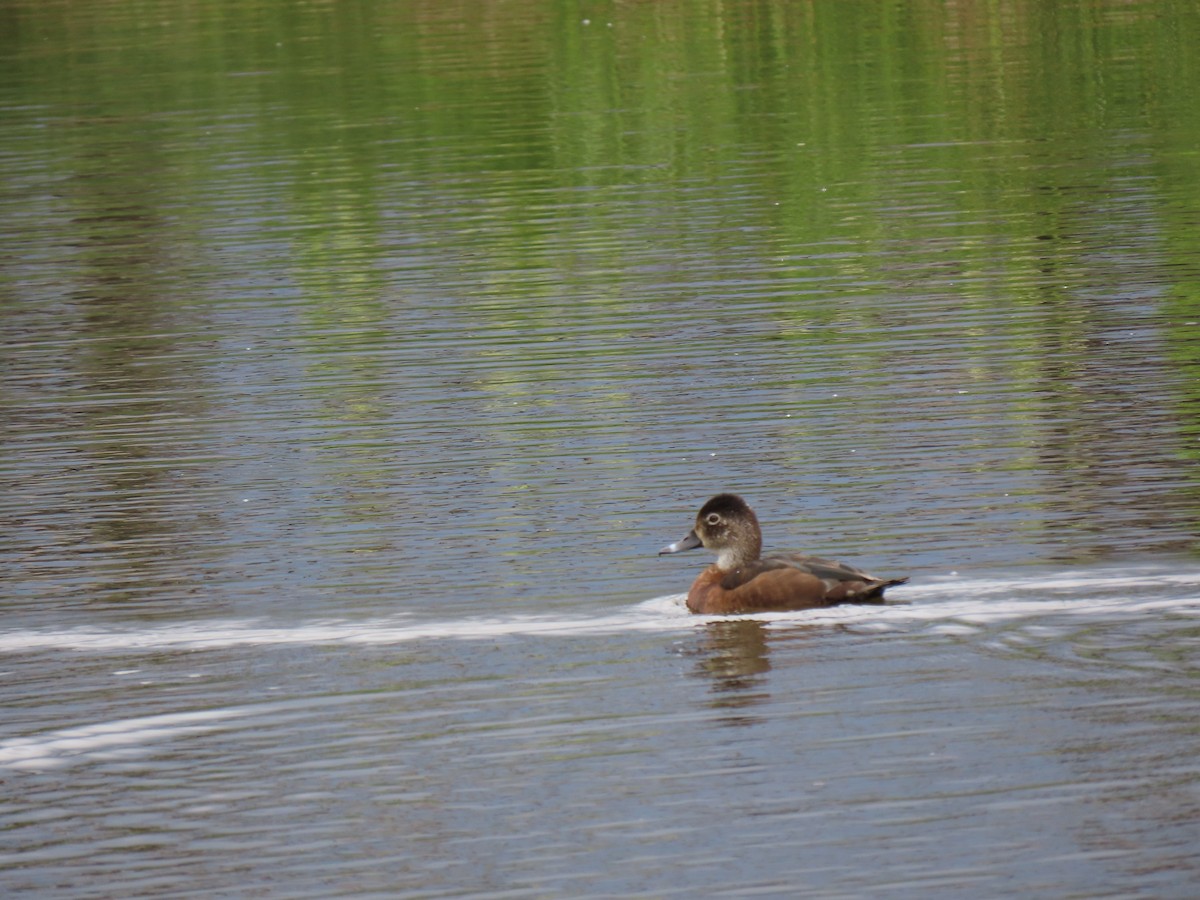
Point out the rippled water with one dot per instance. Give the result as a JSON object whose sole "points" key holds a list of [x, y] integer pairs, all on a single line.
{"points": [[354, 363], [985, 735]]}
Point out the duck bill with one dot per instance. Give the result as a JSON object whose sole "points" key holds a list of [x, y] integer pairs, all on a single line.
{"points": [[690, 542]]}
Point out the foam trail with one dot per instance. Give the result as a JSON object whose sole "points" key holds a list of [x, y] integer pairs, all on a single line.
{"points": [[106, 740], [663, 614], [951, 605], [950, 601]]}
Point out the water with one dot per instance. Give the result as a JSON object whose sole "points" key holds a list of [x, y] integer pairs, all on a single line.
{"points": [[993, 735], [355, 362]]}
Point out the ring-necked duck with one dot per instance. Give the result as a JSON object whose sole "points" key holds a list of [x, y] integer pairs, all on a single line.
{"points": [[741, 582]]}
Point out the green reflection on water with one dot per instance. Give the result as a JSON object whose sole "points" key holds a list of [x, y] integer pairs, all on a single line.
{"points": [[988, 184]]}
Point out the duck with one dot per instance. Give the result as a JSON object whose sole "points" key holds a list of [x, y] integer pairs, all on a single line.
{"points": [[744, 581]]}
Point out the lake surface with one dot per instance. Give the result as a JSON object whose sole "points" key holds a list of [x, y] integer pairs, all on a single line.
{"points": [[356, 359]]}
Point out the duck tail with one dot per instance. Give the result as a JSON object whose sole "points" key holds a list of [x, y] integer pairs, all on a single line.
{"points": [[874, 594]]}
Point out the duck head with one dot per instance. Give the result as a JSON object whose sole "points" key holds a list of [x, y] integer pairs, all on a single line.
{"points": [[726, 525]]}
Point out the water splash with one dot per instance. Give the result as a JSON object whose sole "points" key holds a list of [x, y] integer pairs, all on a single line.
{"points": [[944, 604]]}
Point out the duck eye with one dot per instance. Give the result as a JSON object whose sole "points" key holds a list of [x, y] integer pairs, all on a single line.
{"points": [[713, 519]]}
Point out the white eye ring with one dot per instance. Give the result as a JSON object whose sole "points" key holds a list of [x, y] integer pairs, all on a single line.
{"points": [[713, 519]]}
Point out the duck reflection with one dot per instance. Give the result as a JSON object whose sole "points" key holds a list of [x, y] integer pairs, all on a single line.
{"points": [[734, 655]]}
